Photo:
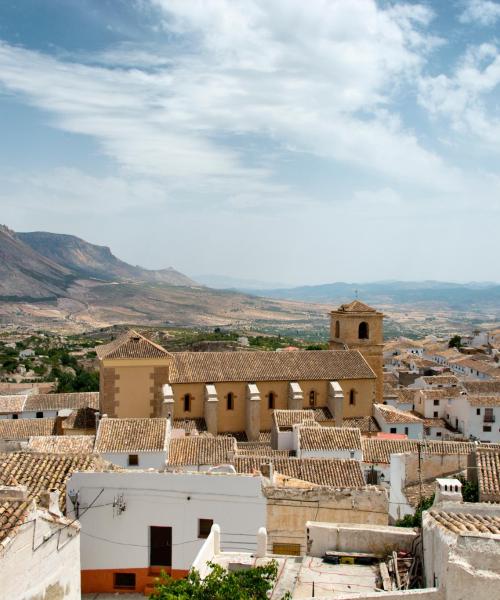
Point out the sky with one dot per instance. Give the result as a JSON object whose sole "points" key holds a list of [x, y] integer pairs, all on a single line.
{"points": [[279, 140]]}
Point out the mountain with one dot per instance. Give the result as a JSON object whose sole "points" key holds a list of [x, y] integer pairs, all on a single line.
{"points": [[25, 274], [225, 282], [86, 260], [450, 295]]}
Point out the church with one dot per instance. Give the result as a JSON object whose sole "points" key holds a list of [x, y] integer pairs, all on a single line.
{"points": [[237, 392]]}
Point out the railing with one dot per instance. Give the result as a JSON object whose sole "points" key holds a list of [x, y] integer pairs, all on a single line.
{"points": [[489, 419]]}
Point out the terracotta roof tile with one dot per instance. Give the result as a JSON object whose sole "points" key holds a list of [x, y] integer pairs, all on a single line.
{"points": [[356, 306], [74, 400], [62, 444], [329, 438], [331, 472], [23, 429], [483, 400], [440, 393], [12, 515], [472, 386], [460, 523], [190, 425], [12, 404], [131, 345], [379, 450], [488, 463], [131, 435], [213, 367], [394, 415], [259, 449], [285, 419], [192, 450], [364, 424], [82, 418], [440, 380]]}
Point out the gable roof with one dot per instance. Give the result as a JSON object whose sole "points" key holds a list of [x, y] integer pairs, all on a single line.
{"points": [[81, 418], [23, 429], [285, 419], [193, 450], [331, 472], [483, 400], [488, 475], [131, 345], [62, 444], [356, 306], [12, 404], [394, 415], [73, 400], [365, 424], [481, 387], [379, 450], [212, 367], [131, 435], [329, 438]]}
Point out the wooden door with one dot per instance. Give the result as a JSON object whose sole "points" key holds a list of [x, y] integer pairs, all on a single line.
{"points": [[160, 546]]}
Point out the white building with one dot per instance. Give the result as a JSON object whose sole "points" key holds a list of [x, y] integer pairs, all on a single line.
{"points": [[150, 520], [39, 548], [134, 443], [46, 406], [392, 420], [327, 442], [475, 416]]}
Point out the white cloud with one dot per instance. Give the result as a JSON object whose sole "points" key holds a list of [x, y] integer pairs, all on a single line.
{"points": [[314, 77], [462, 97], [483, 12]]}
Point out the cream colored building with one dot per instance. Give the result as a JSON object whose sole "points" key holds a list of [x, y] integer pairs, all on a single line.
{"points": [[238, 391]]}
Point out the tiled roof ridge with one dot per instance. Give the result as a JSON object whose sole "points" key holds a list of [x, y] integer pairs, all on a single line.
{"points": [[107, 350]]}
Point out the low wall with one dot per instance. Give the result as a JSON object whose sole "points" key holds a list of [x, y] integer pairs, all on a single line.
{"points": [[350, 537], [426, 594]]}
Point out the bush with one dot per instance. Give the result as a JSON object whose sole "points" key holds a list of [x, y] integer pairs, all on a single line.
{"points": [[416, 519]]}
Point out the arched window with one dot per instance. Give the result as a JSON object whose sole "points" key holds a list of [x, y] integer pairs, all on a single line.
{"points": [[352, 397], [271, 400], [230, 401], [312, 398], [337, 329], [363, 331], [187, 403]]}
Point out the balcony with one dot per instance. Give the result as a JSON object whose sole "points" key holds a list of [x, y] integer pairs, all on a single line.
{"points": [[489, 419]]}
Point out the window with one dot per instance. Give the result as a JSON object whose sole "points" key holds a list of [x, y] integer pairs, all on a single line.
{"points": [[230, 401], [352, 397], [337, 329], [133, 460], [478, 411], [187, 403], [270, 400], [394, 430], [15, 416], [487, 428], [363, 330], [436, 402], [438, 434], [406, 430], [204, 527], [39, 415], [312, 398], [436, 414], [124, 581]]}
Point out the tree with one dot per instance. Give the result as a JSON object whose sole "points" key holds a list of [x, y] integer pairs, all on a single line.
{"points": [[220, 584], [455, 342], [416, 519]]}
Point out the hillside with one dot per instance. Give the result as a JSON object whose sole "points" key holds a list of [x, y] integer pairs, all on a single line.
{"points": [[25, 274], [87, 260]]}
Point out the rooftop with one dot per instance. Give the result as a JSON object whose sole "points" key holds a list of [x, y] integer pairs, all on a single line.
{"points": [[192, 450], [364, 424], [330, 472], [22, 429], [356, 306], [131, 435], [329, 438], [12, 404], [286, 419], [62, 444], [131, 345], [75, 400], [394, 415], [484, 400], [472, 386], [488, 463], [213, 367], [461, 523]]}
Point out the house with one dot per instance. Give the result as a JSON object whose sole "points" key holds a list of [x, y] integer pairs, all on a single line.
{"points": [[134, 443], [149, 521], [46, 406], [13, 432], [475, 416], [393, 420], [327, 442], [40, 548], [236, 392], [61, 444], [200, 453]]}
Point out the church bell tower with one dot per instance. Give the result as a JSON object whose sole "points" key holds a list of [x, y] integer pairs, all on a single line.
{"points": [[357, 326]]}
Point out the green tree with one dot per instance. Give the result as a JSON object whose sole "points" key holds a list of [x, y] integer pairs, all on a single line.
{"points": [[470, 491], [220, 584], [416, 519], [455, 342]]}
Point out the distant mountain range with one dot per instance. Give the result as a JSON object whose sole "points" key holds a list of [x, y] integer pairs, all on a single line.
{"points": [[450, 295], [226, 282]]}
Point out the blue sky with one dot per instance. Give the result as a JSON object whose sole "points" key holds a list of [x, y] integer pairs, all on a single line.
{"points": [[291, 141]]}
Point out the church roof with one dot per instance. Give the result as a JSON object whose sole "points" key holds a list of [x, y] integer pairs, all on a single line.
{"points": [[131, 345], [356, 306]]}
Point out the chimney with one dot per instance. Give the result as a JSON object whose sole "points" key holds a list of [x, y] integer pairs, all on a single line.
{"points": [[50, 501], [336, 402], [59, 422], [267, 470], [13, 493]]}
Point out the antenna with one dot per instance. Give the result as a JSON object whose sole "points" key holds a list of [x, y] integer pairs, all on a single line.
{"points": [[356, 292]]}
